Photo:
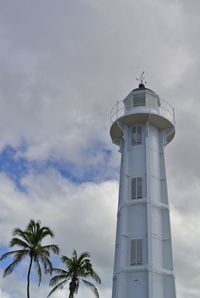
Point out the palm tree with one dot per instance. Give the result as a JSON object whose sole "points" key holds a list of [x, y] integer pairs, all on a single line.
{"points": [[78, 268], [29, 242]]}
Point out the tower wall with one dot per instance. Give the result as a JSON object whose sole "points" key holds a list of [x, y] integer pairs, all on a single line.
{"points": [[143, 228]]}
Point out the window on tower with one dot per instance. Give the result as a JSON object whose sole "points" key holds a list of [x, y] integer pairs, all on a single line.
{"points": [[136, 188], [136, 135], [138, 101], [136, 252]]}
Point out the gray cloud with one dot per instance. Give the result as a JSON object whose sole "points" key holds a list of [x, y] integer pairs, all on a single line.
{"points": [[62, 67]]}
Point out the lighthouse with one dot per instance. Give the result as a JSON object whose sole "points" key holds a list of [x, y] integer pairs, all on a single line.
{"points": [[142, 125]]}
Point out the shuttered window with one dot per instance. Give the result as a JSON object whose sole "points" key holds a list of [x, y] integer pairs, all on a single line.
{"points": [[136, 135], [136, 252], [136, 188], [138, 101]]}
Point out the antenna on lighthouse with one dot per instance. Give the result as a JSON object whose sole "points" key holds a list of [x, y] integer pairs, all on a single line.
{"points": [[142, 80]]}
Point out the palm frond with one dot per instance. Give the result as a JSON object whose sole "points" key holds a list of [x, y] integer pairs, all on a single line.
{"points": [[9, 253], [39, 250], [95, 276], [45, 262], [65, 259], [39, 272], [91, 286], [33, 225], [46, 232], [11, 267], [57, 278], [84, 255], [19, 242], [56, 270], [69, 263], [59, 286], [17, 232], [52, 247], [20, 233]]}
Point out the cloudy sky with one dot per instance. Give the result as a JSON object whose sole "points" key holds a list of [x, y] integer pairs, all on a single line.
{"points": [[63, 65]]}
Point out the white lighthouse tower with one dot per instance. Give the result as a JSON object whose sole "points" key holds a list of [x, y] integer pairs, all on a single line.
{"points": [[142, 125]]}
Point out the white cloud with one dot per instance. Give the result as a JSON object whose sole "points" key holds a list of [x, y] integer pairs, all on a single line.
{"points": [[3, 294], [186, 231], [82, 217]]}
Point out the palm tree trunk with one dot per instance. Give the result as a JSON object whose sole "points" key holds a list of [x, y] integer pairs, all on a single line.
{"points": [[28, 277], [71, 293], [72, 287]]}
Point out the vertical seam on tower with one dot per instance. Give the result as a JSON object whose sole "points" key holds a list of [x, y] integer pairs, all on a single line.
{"points": [[149, 228]]}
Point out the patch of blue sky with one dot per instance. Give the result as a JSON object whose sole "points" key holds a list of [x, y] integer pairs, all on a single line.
{"points": [[4, 263], [97, 172], [102, 169], [17, 166], [14, 167]]}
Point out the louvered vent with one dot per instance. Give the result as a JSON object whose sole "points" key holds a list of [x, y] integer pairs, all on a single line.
{"points": [[136, 252], [136, 188]]}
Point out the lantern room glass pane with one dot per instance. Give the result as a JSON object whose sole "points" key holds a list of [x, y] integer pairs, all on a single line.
{"points": [[138, 101]]}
